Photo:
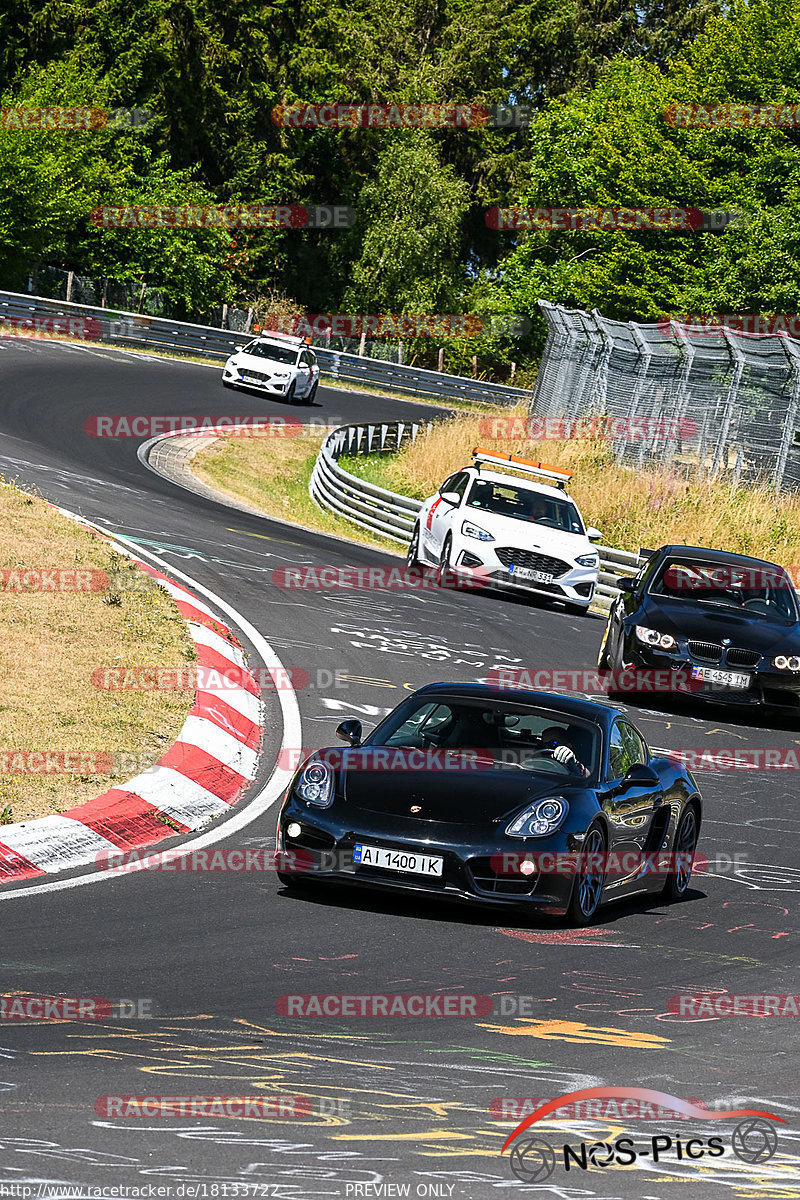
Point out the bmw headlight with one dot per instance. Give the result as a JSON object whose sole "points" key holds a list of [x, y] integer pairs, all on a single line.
{"points": [[315, 784], [540, 818], [651, 637], [787, 663], [475, 531], [588, 560]]}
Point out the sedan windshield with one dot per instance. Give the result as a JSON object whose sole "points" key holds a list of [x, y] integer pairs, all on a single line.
{"points": [[281, 354], [524, 504], [760, 590], [503, 736]]}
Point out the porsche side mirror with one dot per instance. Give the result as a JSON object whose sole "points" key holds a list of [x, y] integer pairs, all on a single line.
{"points": [[350, 731], [643, 774], [594, 535], [626, 583], [451, 498]]}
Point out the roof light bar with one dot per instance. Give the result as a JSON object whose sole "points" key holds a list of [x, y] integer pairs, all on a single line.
{"points": [[523, 465]]}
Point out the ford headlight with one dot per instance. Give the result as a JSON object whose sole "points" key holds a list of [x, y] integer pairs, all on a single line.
{"points": [[475, 531], [588, 560], [315, 784], [282, 374], [651, 637], [540, 818]]}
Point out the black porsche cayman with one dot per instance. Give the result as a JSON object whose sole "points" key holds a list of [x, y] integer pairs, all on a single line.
{"points": [[494, 796], [730, 621]]}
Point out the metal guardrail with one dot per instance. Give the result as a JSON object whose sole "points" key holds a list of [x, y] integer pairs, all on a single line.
{"points": [[159, 333], [392, 515]]}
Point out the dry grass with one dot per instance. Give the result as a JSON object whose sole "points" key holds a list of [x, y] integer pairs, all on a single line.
{"points": [[632, 508], [54, 640]]}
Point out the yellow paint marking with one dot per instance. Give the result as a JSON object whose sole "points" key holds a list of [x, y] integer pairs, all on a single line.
{"points": [[402, 1137], [578, 1031], [264, 536]]}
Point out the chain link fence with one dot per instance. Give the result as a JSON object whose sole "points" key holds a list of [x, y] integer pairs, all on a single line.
{"points": [[713, 403]]}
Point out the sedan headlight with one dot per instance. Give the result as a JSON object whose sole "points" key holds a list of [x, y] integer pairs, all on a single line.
{"points": [[539, 819], [651, 637], [784, 663], [588, 560], [315, 784], [475, 531]]}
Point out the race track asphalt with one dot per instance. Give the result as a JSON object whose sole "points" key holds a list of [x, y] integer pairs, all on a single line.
{"points": [[399, 1103]]}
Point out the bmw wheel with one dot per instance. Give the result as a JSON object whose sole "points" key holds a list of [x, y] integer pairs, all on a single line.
{"points": [[677, 882], [588, 886]]}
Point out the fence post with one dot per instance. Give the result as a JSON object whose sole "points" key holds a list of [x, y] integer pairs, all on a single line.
{"points": [[792, 350], [642, 372], [70, 277], [730, 404]]}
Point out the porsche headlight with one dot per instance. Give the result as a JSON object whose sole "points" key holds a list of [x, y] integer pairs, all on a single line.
{"points": [[475, 531], [315, 784], [651, 637], [787, 663], [540, 818]]}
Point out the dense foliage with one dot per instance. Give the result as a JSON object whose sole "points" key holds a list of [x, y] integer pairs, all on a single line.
{"points": [[596, 74]]}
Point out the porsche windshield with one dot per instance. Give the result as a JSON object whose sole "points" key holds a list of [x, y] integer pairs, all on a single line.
{"points": [[502, 736], [524, 504], [760, 590]]}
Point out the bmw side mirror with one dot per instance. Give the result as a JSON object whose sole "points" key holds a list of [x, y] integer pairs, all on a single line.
{"points": [[594, 535], [626, 583], [350, 731], [643, 774], [451, 498]]}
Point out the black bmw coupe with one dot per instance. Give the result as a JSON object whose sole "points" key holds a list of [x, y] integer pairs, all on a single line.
{"points": [[494, 796], [730, 621]]}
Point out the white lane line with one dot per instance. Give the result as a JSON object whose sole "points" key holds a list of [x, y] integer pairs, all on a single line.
{"points": [[249, 811]]}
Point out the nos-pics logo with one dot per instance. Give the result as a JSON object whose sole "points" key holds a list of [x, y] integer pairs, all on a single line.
{"points": [[534, 1159]]}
